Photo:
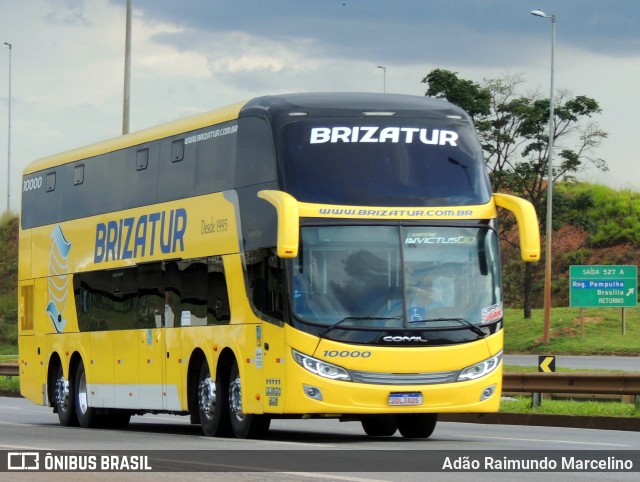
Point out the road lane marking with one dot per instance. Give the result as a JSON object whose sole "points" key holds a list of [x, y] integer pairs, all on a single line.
{"points": [[543, 441]]}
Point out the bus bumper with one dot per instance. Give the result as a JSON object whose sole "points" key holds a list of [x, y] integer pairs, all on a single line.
{"points": [[308, 393]]}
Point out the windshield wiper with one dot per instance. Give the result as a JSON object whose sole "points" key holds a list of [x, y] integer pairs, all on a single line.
{"points": [[467, 323], [348, 318]]}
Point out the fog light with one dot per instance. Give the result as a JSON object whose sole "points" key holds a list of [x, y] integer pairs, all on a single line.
{"points": [[487, 392], [312, 392]]}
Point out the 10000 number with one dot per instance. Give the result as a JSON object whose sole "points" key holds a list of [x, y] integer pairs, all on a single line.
{"points": [[347, 354], [32, 184]]}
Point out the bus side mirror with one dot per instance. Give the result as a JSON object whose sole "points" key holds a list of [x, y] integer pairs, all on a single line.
{"points": [[288, 221], [527, 224]]}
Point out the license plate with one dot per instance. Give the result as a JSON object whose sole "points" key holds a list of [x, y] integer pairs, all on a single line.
{"points": [[404, 399]]}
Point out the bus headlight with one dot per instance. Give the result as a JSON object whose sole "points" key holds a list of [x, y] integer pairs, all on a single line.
{"points": [[319, 367], [480, 369]]}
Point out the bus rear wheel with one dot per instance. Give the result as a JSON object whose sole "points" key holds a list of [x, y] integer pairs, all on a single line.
{"points": [[379, 425], [244, 425], [212, 407], [416, 425], [87, 416], [64, 400]]}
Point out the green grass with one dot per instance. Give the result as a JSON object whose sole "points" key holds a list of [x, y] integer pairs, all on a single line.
{"points": [[10, 384], [602, 332], [589, 408], [7, 350]]}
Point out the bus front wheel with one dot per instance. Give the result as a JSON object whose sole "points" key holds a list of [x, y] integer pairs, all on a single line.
{"points": [[379, 425], [244, 425], [212, 404], [416, 425], [64, 400]]}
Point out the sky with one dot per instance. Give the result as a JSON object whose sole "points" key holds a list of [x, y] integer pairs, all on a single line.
{"points": [[190, 56]]}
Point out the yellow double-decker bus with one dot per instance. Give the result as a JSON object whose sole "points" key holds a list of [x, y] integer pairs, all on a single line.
{"points": [[303, 255]]}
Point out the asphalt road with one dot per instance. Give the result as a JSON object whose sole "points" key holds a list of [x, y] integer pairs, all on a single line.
{"points": [[308, 449]]}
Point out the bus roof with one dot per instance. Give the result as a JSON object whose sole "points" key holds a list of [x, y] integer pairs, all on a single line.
{"points": [[273, 106], [351, 104]]}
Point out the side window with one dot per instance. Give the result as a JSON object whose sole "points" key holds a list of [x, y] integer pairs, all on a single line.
{"points": [[218, 309], [151, 298], [196, 293], [193, 292], [265, 282], [256, 161], [51, 181], [142, 159], [106, 300], [177, 150], [78, 174]]}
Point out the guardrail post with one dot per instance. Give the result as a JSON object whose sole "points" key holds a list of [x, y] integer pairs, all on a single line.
{"points": [[536, 399]]}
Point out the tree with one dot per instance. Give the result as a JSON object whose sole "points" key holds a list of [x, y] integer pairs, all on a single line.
{"points": [[513, 131]]}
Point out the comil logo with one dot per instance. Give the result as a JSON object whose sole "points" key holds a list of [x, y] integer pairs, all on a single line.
{"points": [[58, 279], [23, 461]]}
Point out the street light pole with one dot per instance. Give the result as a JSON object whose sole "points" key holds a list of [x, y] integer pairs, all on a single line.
{"points": [[9, 135], [547, 264], [127, 72], [384, 78]]}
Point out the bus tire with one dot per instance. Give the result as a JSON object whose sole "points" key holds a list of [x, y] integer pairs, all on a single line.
{"points": [[379, 425], [117, 420], [212, 404], [64, 400], [244, 425], [416, 425], [87, 416]]}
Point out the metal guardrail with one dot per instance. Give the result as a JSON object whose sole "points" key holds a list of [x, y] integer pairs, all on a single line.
{"points": [[584, 383], [580, 383], [9, 370]]}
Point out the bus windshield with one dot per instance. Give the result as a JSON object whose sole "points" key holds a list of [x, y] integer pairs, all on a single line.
{"points": [[381, 161], [397, 277]]}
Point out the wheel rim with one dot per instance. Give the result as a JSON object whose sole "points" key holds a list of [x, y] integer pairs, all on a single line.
{"points": [[62, 394], [83, 403], [235, 399], [207, 397]]}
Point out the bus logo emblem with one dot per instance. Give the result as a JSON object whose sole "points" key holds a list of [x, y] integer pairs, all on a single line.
{"points": [[58, 281]]}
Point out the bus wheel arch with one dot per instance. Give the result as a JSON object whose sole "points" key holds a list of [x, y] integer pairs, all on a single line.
{"points": [[193, 378], [52, 375]]}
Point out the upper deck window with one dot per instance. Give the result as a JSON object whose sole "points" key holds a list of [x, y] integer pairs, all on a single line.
{"points": [[51, 181], [384, 161]]}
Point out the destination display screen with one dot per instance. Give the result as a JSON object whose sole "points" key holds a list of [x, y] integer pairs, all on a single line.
{"points": [[384, 162]]}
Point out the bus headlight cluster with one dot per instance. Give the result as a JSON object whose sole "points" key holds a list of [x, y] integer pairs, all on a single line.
{"points": [[319, 367], [480, 369]]}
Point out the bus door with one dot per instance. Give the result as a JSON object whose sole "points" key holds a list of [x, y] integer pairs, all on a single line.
{"points": [[151, 363], [151, 336], [271, 346], [119, 311]]}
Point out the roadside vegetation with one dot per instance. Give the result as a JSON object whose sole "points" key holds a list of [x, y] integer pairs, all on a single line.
{"points": [[8, 284], [585, 408], [595, 331]]}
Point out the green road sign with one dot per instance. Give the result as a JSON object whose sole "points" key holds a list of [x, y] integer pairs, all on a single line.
{"points": [[602, 286]]}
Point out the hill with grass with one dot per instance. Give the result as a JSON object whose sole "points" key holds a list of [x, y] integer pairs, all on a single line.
{"points": [[592, 225], [8, 283]]}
